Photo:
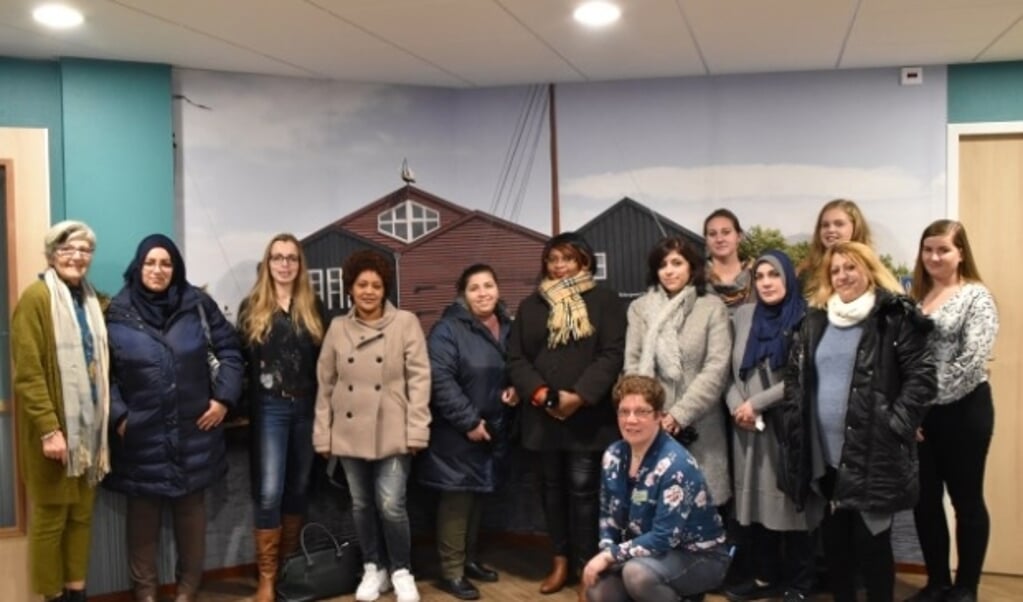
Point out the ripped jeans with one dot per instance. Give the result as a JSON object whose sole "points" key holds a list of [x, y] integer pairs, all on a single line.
{"points": [[378, 507]]}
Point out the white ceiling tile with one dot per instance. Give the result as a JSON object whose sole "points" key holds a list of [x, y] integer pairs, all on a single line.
{"points": [[650, 39], [1008, 47], [783, 35], [486, 36], [499, 42], [299, 34], [908, 32]]}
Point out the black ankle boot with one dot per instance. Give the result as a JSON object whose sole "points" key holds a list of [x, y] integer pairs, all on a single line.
{"points": [[75, 595], [460, 588], [480, 572]]}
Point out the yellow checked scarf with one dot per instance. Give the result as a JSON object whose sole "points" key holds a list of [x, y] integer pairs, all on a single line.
{"points": [[567, 319]]}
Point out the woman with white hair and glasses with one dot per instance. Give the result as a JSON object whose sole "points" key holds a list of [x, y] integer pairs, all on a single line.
{"points": [[59, 348]]}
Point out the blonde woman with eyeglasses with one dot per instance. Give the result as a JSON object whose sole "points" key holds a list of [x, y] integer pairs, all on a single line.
{"points": [[281, 323]]}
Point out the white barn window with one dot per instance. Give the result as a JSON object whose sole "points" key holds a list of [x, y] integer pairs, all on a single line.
{"points": [[408, 221], [316, 281], [600, 270], [335, 290]]}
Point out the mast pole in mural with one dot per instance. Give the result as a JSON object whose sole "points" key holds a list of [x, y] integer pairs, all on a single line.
{"points": [[555, 203]]}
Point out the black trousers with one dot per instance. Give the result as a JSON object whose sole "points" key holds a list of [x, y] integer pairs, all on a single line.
{"points": [[784, 558], [570, 486], [953, 454], [849, 545]]}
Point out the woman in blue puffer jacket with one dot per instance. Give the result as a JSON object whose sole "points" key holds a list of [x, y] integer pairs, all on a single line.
{"points": [[167, 443], [469, 403]]}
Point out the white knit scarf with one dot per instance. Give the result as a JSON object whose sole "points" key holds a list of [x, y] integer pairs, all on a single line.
{"points": [[84, 418], [844, 314], [661, 353]]}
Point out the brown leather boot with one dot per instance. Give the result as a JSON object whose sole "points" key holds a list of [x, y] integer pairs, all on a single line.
{"points": [[557, 577], [267, 545], [291, 530]]}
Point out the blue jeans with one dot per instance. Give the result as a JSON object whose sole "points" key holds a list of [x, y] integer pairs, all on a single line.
{"points": [[378, 500], [282, 458]]}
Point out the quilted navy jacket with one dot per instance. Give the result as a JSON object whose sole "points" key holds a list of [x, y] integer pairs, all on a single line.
{"points": [[160, 382], [467, 375]]}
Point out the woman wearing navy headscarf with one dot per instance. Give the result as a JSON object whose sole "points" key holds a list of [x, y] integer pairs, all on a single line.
{"points": [[166, 409], [763, 335]]}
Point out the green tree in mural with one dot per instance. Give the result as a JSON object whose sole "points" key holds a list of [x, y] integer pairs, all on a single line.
{"points": [[758, 239]]}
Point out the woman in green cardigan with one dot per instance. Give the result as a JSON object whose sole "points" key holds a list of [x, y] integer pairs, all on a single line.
{"points": [[59, 348]]}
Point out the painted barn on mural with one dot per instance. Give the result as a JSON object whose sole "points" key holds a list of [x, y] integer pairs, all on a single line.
{"points": [[622, 236], [429, 240]]}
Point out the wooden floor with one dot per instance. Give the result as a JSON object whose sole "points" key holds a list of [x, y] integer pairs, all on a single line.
{"points": [[523, 568]]}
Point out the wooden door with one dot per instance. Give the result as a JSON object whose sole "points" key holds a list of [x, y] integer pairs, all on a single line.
{"points": [[991, 208]]}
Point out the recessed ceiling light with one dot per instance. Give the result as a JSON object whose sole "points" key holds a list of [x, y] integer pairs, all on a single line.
{"points": [[597, 13], [57, 16]]}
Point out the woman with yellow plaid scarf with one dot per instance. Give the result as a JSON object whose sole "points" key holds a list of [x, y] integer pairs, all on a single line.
{"points": [[564, 355]]}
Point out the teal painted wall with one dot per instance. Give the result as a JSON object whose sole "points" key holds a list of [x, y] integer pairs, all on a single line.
{"points": [[110, 145], [118, 157], [30, 98], [985, 92]]}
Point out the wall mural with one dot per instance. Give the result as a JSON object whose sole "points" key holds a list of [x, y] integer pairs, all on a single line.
{"points": [[258, 155]]}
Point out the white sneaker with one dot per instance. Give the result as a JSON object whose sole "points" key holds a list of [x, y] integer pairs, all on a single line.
{"points": [[374, 582], [405, 586]]}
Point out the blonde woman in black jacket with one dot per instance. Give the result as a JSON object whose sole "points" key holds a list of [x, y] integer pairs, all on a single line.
{"points": [[856, 391]]}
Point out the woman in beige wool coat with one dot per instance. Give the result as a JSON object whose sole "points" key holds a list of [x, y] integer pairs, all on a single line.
{"points": [[681, 336], [372, 410]]}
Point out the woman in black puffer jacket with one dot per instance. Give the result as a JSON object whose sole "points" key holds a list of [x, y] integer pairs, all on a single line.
{"points": [[856, 391], [167, 442]]}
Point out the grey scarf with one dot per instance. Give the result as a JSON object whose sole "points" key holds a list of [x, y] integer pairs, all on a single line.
{"points": [[661, 354], [85, 419]]}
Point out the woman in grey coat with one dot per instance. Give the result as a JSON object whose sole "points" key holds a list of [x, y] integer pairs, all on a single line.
{"points": [[680, 335], [763, 336]]}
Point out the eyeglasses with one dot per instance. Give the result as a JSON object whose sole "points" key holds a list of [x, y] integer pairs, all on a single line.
{"points": [[640, 413], [70, 250], [284, 259]]}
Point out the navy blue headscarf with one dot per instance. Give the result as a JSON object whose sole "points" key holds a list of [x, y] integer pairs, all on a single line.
{"points": [[156, 308], [769, 335]]}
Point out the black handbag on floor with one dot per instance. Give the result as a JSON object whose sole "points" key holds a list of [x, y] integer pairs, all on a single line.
{"points": [[319, 574]]}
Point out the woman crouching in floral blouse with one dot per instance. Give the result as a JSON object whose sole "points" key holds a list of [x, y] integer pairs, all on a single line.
{"points": [[661, 538]]}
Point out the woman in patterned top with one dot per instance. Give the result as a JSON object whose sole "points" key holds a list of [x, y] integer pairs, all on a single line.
{"points": [[661, 537], [282, 324], [957, 431]]}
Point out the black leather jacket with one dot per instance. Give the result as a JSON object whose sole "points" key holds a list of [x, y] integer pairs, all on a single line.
{"points": [[893, 383]]}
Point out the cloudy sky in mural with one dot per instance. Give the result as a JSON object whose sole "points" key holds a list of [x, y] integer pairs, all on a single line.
{"points": [[259, 155], [770, 147]]}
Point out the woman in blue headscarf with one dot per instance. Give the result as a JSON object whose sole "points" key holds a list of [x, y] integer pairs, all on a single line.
{"points": [[763, 335], [166, 409]]}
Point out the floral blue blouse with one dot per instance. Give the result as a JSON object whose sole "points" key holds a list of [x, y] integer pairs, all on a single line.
{"points": [[667, 506]]}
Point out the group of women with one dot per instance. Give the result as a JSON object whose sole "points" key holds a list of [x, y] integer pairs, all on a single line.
{"points": [[784, 398]]}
